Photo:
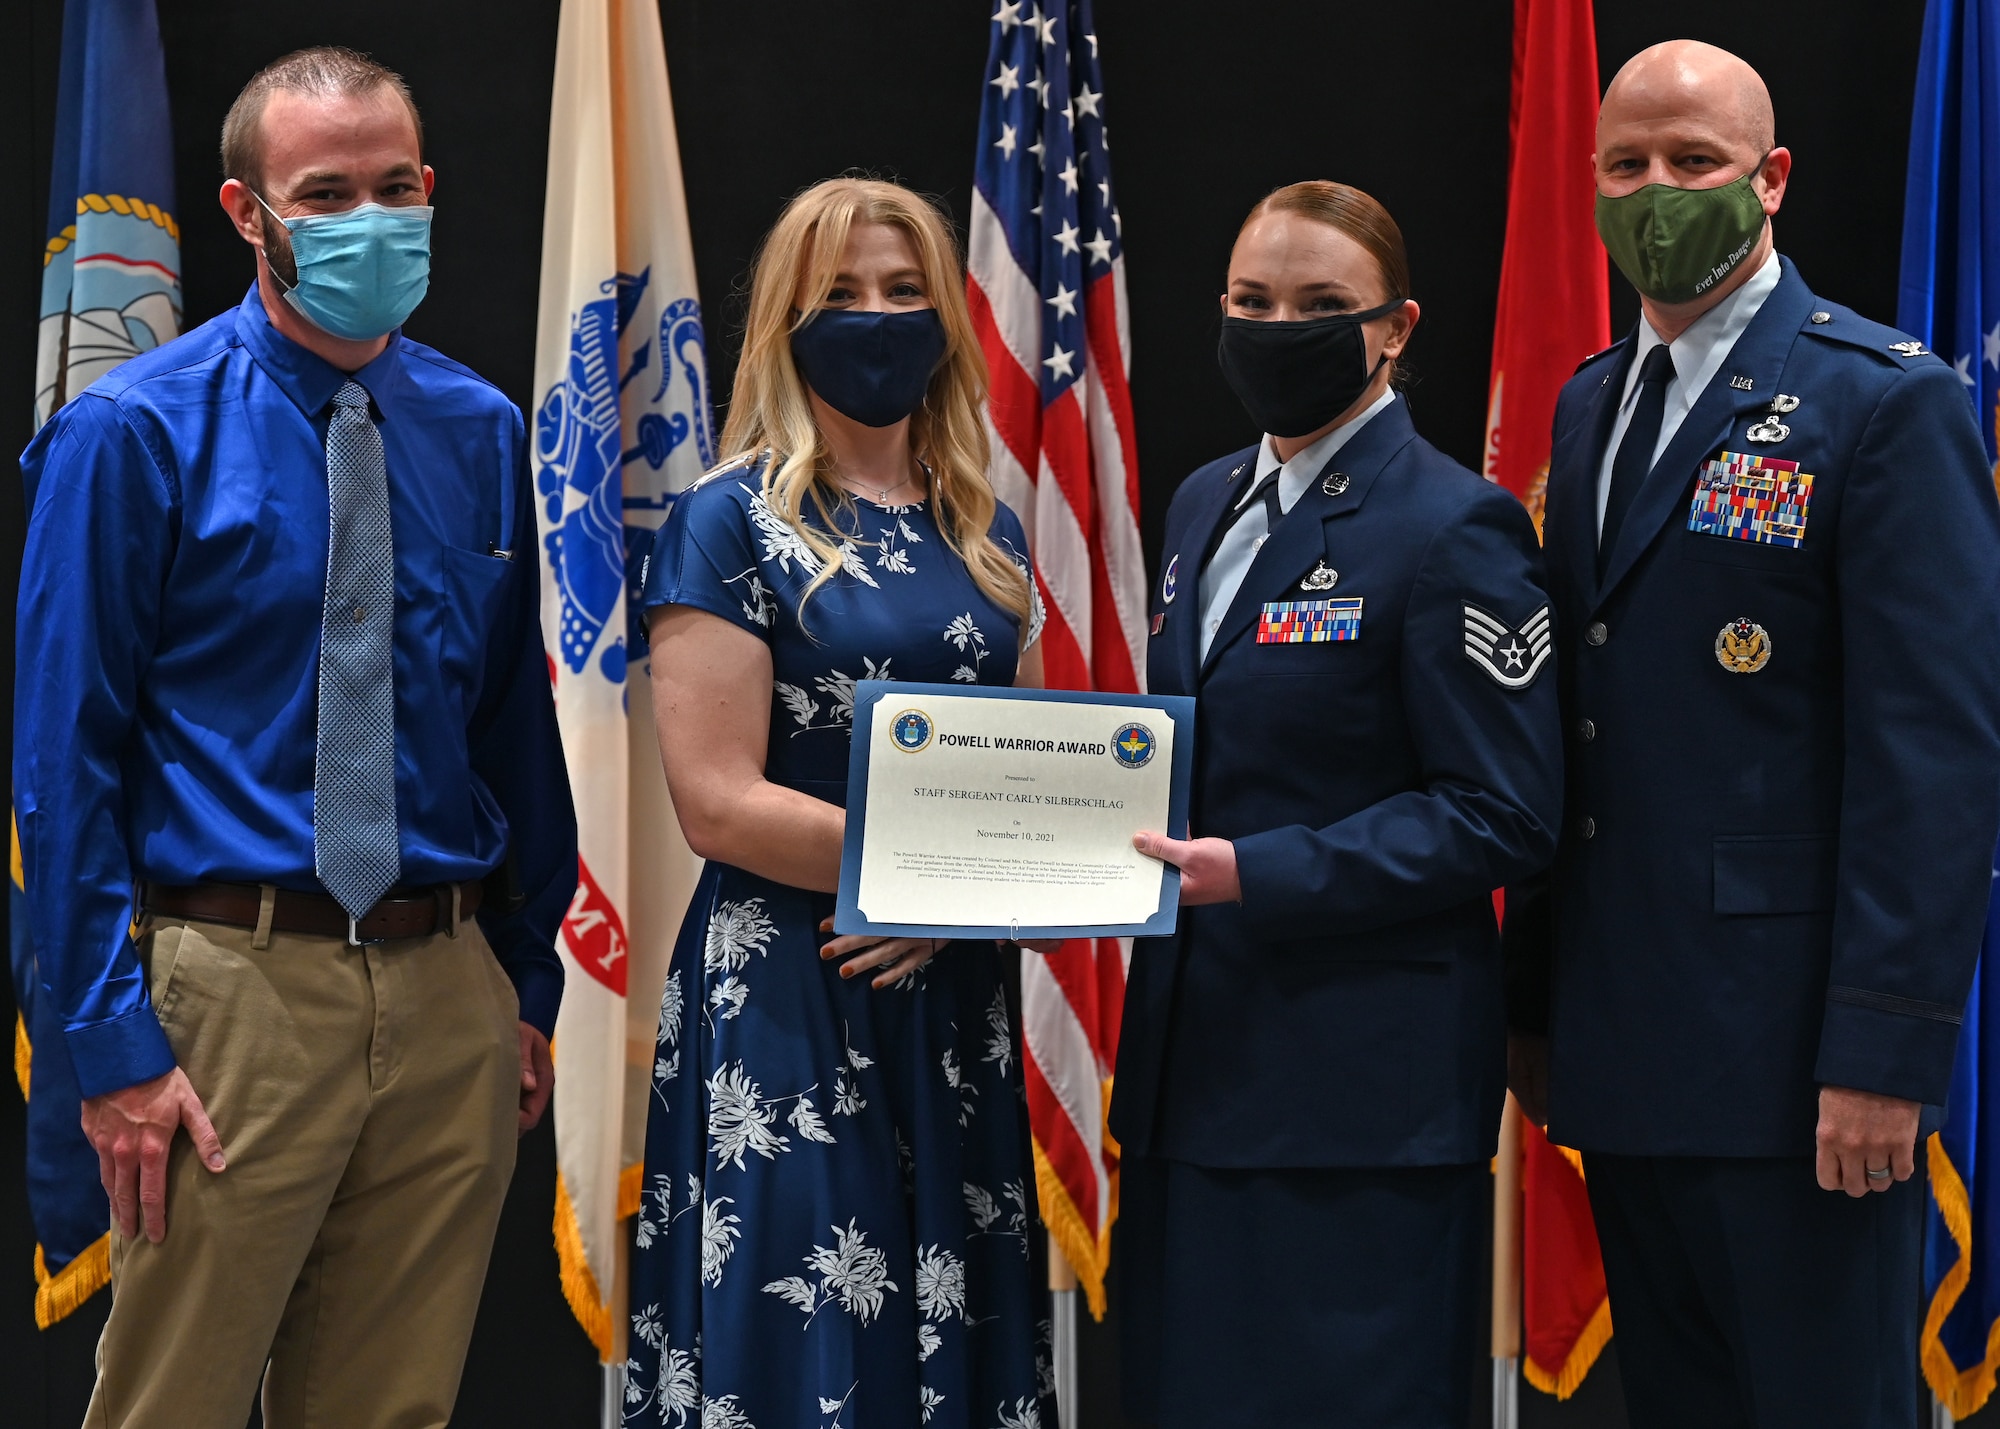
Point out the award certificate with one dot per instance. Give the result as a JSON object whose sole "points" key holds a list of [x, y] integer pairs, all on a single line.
{"points": [[990, 812]]}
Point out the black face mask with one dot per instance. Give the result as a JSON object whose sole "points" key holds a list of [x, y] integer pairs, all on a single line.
{"points": [[872, 367], [1295, 377]]}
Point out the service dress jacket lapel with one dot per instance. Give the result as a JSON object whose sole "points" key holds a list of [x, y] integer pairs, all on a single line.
{"points": [[1299, 539]]}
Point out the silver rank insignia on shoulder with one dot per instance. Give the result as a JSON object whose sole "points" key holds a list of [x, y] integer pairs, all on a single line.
{"points": [[1320, 577], [1334, 483], [1743, 647], [1741, 384], [1912, 348], [1511, 657]]}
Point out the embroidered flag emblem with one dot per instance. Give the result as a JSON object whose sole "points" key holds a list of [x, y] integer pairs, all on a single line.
{"points": [[1299, 622], [1752, 498], [1512, 657]]}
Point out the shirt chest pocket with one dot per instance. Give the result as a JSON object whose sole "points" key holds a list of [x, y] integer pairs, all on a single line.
{"points": [[472, 594]]}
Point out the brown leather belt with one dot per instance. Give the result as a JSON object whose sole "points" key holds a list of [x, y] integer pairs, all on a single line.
{"points": [[403, 913]]}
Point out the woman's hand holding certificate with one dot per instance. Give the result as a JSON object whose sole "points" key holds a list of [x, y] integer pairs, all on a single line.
{"points": [[1011, 813]]}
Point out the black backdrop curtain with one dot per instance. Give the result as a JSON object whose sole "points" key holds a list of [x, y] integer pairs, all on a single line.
{"points": [[1210, 106]]}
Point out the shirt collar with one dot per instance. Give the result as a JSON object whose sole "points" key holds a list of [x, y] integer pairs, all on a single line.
{"points": [[1700, 351], [306, 377], [1305, 465]]}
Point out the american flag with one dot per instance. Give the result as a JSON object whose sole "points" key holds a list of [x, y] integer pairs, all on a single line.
{"points": [[1047, 287]]}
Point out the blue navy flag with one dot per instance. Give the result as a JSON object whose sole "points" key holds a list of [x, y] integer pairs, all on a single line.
{"points": [[1950, 297], [111, 281], [111, 288]]}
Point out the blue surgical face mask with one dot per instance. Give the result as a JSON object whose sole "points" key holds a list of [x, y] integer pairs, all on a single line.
{"points": [[360, 272]]}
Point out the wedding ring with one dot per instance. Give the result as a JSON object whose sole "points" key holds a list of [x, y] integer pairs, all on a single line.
{"points": [[1881, 1175]]}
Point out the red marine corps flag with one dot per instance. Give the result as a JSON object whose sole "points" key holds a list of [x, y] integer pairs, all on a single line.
{"points": [[1554, 311], [1047, 290]]}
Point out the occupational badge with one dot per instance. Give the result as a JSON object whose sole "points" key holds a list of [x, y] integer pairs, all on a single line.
{"points": [[1334, 483], [1302, 622], [1909, 349], [911, 731], [1320, 577], [1742, 383], [1511, 657], [1743, 647], [1171, 580], [1752, 498]]}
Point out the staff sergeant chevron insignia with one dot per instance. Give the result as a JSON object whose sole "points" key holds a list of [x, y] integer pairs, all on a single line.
{"points": [[1512, 657]]}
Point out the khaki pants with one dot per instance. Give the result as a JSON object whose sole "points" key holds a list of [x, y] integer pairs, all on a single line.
{"points": [[366, 1101]]}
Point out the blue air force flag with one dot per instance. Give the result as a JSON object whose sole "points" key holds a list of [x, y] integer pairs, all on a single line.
{"points": [[1950, 297], [111, 269]]}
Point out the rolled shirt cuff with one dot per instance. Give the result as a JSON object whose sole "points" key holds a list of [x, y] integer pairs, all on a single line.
{"points": [[122, 1052]]}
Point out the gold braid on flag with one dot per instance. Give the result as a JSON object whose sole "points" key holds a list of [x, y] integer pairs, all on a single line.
{"points": [[1565, 1381], [112, 203], [1963, 1392]]}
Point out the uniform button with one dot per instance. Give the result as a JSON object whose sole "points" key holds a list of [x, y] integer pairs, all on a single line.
{"points": [[1586, 730], [1258, 544], [1586, 827], [1595, 632], [1822, 317], [360, 614]]}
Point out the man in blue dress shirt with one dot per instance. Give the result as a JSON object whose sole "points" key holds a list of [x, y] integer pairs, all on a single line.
{"points": [[1772, 545], [293, 813]]}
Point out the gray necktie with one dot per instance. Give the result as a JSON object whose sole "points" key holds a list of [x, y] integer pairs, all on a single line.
{"points": [[355, 847]]}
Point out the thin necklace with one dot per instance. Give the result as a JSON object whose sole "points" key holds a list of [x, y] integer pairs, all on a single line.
{"points": [[882, 492]]}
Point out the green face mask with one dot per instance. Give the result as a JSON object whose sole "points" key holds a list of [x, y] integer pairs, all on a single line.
{"points": [[1676, 244]]}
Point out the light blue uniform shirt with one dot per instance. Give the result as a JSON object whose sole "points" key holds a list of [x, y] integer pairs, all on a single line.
{"points": [[1238, 547]]}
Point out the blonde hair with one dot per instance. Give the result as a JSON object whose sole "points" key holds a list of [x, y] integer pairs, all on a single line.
{"points": [[769, 410]]}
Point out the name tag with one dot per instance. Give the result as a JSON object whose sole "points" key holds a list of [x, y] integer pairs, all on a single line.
{"points": [[1752, 498], [1300, 622]]}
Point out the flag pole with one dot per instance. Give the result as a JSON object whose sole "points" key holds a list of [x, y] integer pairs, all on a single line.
{"points": [[1507, 1269], [612, 1415], [1062, 1296]]}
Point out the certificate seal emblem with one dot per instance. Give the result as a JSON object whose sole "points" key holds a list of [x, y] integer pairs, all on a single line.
{"points": [[1133, 746], [911, 730]]}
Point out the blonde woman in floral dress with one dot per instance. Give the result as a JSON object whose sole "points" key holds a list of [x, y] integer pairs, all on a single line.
{"points": [[837, 1213]]}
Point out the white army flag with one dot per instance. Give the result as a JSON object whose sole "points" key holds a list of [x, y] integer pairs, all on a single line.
{"points": [[621, 424]]}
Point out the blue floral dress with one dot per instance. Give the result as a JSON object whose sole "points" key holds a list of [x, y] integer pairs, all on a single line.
{"points": [[838, 1191]]}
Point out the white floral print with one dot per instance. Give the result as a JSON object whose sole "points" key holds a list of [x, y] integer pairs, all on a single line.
{"points": [[838, 687], [718, 1238], [735, 931], [740, 1118], [851, 1271], [969, 639], [940, 1283], [999, 1033]]}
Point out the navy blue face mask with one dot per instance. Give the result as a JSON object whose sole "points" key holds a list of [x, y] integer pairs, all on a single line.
{"points": [[872, 367]]}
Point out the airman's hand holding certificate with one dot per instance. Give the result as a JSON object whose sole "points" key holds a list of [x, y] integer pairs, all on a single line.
{"points": [[1009, 813]]}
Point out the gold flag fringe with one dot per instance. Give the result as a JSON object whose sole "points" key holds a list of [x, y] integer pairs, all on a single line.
{"points": [[1963, 1392], [579, 1286], [1089, 1256], [57, 1296], [592, 1310], [1582, 1355]]}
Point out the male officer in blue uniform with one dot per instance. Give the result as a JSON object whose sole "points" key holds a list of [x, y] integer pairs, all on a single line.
{"points": [[1772, 543], [293, 812]]}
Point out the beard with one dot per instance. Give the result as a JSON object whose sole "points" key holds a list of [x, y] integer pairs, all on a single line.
{"points": [[278, 249]]}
